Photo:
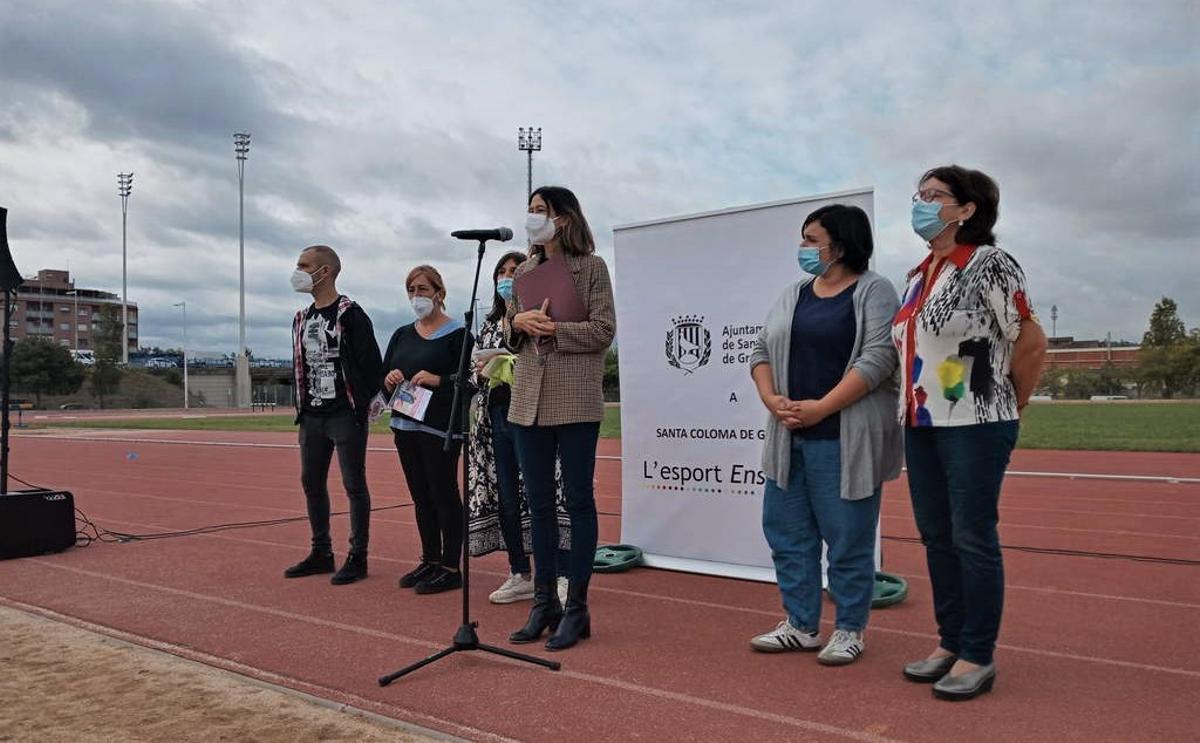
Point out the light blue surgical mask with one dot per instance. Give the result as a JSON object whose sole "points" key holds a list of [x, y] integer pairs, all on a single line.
{"points": [[810, 261], [504, 287], [925, 219]]}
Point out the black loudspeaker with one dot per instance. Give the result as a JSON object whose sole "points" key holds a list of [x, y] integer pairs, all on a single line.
{"points": [[10, 277], [36, 522]]}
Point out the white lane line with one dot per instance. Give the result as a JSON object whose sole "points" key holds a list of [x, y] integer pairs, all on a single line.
{"points": [[255, 445], [1114, 532], [1080, 594]]}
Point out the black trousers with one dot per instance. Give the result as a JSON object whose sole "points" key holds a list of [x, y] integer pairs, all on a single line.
{"points": [[432, 476], [320, 436]]}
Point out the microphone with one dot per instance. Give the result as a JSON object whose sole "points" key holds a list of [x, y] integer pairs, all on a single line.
{"points": [[503, 234]]}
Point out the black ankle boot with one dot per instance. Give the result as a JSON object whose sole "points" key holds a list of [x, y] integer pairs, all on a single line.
{"points": [[316, 563], [576, 622], [545, 614], [354, 569]]}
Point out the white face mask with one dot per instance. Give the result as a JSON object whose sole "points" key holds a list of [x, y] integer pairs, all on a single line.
{"points": [[540, 229], [302, 281], [422, 306]]}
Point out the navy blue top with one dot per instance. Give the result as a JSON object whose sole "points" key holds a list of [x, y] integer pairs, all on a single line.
{"points": [[822, 339]]}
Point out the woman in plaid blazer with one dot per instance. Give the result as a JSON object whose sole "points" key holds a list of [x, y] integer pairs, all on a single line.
{"points": [[557, 405]]}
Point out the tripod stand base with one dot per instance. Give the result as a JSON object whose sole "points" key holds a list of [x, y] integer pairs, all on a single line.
{"points": [[468, 639]]}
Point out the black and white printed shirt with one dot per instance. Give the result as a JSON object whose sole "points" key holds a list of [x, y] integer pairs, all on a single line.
{"points": [[955, 332], [325, 385]]}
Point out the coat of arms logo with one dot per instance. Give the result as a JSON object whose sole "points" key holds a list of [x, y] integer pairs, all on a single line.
{"points": [[689, 344]]}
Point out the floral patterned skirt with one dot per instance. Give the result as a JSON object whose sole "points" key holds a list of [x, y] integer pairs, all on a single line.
{"points": [[483, 502]]}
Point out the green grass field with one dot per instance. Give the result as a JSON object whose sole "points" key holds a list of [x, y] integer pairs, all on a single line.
{"points": [[1119, 426], [1125, 426]]}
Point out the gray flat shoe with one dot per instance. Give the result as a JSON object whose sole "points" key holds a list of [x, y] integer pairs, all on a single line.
{"points": [[966, 686], [928, 671]]}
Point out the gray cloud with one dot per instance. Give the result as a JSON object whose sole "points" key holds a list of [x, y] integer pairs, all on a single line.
{"points": [[379, 128], [157, 71]]}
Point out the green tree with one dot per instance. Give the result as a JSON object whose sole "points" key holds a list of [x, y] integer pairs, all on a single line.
{"points": [[1166, 329], [1167, 360], [612, 375], [43, 367], [106, 374], [1110, 380]]}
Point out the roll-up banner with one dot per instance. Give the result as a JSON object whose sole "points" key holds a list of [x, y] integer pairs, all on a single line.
{"points": [[692, 293]]}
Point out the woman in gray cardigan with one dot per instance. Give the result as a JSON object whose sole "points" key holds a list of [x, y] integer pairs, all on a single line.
{"points": [[825, 368]]}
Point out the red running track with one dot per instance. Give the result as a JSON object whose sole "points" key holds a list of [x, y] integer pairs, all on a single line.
{"points": [[1091, 649]]}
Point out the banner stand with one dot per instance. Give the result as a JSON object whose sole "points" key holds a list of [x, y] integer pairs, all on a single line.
{"points": [[692, 293], [708, 567]]}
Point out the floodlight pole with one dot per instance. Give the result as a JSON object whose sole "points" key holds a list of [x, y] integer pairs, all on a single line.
{"points": [[529, 141], [75, 322], [241, 146], [186, 397], [124, 189]]}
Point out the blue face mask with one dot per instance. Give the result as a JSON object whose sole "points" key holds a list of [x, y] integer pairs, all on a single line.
{"points": [[504, 287], [810, 261], [925, 219]]}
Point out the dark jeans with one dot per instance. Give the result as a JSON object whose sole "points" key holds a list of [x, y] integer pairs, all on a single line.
{"points": [[320, 435], [954, 477], [575, 445], [508, 481], [432, 476]]}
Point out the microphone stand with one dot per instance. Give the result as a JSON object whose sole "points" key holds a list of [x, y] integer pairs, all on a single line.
{"points": [[466, 638]]}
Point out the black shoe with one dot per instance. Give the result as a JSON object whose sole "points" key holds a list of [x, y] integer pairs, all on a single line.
{"points": [[545, 614], [315, 564], [576, 622], [417, 574], [442, 580], [354, 569]]}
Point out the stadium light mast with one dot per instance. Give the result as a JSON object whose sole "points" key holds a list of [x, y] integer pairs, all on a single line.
{"points": [[183, 304], [124, 189], [529, 141], [241, 147]]}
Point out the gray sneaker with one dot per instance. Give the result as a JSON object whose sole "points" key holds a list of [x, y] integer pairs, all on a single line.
{"points": [[784, 638], [516, 588], [843, 648]]}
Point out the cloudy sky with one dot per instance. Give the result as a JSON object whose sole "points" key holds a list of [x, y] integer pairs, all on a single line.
{"points": [[380, 126]]}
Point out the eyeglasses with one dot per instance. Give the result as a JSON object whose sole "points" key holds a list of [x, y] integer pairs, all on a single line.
{"points": [[930, 195]]}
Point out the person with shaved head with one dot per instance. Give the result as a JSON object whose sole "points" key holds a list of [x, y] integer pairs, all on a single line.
{"points": [[338, 371]]}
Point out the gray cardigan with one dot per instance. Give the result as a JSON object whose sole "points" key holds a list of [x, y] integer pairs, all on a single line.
{"points": [[872, 442]]}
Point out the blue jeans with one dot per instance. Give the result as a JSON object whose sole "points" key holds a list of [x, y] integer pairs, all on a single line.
{"points": [[796, 519], [954, 477], [575, 445], [508, 482]]}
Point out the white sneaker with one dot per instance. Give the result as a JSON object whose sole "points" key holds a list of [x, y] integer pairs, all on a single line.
{"points": [[786, 637], [562, 590], [516, 588], [843, 648]]}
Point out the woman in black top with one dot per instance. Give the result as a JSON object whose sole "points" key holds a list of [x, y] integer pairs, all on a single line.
{"points": [[426, 354]]}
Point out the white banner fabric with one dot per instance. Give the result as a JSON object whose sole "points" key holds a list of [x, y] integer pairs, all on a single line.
{"points": [[692, 293]]}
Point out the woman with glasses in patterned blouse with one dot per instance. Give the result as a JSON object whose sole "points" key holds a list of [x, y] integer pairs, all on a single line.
{"points": [[970, 356]]}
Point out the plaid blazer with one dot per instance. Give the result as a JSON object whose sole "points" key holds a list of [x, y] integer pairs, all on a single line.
{"points": [[566, 385]]}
